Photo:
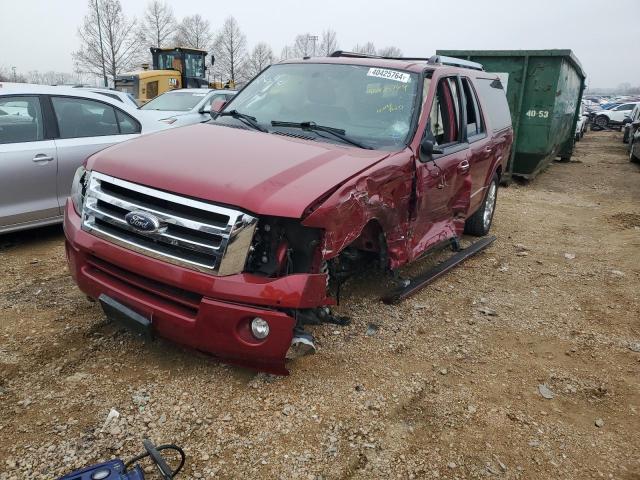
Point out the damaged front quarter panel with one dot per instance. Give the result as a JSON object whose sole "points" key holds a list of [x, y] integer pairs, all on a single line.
{"points": [[380, 197]]}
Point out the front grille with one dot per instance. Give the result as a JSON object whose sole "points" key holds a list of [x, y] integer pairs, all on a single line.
{"points": [[191, 233]]}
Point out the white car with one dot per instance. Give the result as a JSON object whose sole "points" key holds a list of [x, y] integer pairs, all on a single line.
{"points": [[614, 116], [46, 133], [185, 106], [123, 97]]}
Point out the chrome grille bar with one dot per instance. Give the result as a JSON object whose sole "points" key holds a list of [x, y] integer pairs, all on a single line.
{"points": [[194, 234]]}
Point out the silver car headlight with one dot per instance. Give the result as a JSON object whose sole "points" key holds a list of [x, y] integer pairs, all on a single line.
{"points": [[78, 188]]}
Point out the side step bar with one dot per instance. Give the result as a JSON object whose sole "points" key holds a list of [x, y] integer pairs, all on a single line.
{"points": [[424, 279]]}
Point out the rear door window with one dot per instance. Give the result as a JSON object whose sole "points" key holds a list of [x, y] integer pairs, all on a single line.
{"points": [[128, 124], [20, 119], [475, 127], [494, 102], [81, 117]]}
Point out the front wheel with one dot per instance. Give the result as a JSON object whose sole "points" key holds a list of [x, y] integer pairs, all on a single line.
{"points": [[632, 156], [479, 223], [602, 121]]}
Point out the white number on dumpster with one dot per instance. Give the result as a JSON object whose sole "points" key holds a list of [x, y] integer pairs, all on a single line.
{"points": [[537, 113]]}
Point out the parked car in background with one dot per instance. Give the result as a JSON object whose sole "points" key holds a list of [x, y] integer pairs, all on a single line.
{"points": [[185, 106], [581, 124], [45, 134], [123, 97], [630, 127], [614, 116], [224, 235]]}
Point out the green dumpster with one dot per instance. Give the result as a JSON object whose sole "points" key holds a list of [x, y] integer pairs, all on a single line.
{"points": [[544, 90]]}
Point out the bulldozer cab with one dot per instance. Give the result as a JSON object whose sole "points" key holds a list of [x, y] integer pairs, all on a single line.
{"points": [[190, 62], [172, 68]]}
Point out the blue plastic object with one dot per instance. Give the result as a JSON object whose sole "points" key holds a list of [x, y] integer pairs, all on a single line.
{"points": [[111, 470]]}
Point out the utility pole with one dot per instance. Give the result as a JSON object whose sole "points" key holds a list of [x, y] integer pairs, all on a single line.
{"points": [[314, 39], [104, 70], [14, 74]]}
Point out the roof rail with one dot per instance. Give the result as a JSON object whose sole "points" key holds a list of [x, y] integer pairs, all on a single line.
{"points": [[433, 60], [454, 62]]}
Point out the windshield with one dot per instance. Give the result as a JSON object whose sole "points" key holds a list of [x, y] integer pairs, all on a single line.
{"points": [[372, 105], [181, 101]]}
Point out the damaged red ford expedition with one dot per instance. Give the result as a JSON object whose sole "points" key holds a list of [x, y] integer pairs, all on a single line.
{"points": [[227, 236]]}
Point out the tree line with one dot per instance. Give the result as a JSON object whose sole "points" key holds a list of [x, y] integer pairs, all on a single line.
{"points": [[112, 43]]}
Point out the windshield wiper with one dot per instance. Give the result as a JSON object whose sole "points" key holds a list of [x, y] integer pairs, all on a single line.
{"points": [[247, 119], [336, 132]]}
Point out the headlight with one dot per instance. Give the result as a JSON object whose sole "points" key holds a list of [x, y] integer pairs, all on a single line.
{"points": [[78, 188]]}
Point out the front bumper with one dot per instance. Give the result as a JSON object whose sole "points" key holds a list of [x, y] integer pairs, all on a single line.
{"points": [[205, 312]]}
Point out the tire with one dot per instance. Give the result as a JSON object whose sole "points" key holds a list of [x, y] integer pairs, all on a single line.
{"points": [[632, 157], [602, 121], [479, 223]]}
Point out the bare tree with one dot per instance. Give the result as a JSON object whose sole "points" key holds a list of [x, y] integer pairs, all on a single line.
{"points": [[158, 24], [328, 43], [260, 58], [119, 40], [390, 51], [11, 76], [230, 50], [368, 48], [287, 52], [303, 45], [194, 32], [56, 78]]}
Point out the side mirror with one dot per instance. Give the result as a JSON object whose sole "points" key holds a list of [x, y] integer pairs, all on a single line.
{"points": [[428, 149], [626, 120], [216, 106]]}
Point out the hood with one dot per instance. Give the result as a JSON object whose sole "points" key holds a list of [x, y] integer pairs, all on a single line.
{"points": [[160, 114], [259, 172]]}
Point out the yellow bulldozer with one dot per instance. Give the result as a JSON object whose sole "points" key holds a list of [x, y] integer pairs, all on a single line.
{"points": [[172, 68]]}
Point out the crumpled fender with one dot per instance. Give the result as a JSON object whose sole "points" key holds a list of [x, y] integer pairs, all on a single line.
{"points": [[382, 194]]}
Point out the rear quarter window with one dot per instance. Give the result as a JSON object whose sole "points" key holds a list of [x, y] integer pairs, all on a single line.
{"points": [[494, 102]]}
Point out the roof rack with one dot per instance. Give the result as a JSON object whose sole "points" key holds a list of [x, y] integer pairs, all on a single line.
{"points": [[433, 60]]}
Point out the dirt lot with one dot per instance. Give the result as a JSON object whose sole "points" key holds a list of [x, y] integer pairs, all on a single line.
{"points": [[446, 387]]}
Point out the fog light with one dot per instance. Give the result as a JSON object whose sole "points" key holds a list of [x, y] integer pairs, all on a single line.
{"points": [[259, 328]]}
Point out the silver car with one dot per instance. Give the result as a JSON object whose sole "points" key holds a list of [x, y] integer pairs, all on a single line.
{"points": [[46, 133], [186, 106]]}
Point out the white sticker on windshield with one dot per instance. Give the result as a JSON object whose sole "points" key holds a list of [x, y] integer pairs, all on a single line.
{"points": [[199, 94], [389, 74]]}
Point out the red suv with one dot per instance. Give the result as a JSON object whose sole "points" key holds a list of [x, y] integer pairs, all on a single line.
{"points": [[229, 236]]}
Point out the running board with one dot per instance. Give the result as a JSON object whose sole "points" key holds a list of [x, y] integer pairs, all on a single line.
{"points": [[424, 279]]}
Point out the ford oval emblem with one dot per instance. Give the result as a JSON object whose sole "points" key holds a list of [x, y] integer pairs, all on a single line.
{"points": [[143, 221]]}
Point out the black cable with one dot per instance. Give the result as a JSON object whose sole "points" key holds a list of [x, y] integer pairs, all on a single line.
{"points": [[169, 446]]}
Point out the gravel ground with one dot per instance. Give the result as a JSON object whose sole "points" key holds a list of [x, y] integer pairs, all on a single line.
{"points": [[523, 363]]}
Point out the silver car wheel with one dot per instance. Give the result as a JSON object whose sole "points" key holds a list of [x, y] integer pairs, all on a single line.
{"points": [[489, 205]]}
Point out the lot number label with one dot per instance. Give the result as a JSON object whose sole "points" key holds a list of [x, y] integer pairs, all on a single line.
{"points": [[389, 74]]}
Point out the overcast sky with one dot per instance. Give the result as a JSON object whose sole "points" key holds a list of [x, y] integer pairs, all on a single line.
{"points": [[41, 34]]}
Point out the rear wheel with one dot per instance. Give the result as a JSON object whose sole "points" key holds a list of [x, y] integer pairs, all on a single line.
{"points": [[479, 223]]}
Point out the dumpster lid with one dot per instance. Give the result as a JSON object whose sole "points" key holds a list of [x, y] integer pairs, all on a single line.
{"points": [[517, 53]]}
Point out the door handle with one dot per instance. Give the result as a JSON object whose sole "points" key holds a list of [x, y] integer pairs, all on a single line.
{"points": [[41, 158], [463, 167]]}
